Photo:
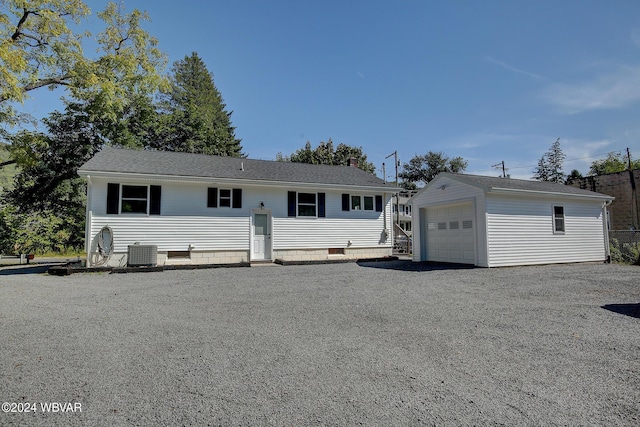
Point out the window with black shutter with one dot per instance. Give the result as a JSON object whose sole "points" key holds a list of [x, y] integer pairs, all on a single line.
{"points": [[291, 203], [378, 203], [155, 193], [345, 202], [113, 198], [212, 197], [321, 205], [237, 198]]}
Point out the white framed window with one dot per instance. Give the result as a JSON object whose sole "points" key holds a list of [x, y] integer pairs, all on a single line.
{"points": [[133, 199], [368, 203], [306, 204], [356, 203], [224, 198], [558, 219]]}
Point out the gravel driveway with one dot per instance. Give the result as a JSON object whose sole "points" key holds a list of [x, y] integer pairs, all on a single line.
{"points": [[343, 344]]}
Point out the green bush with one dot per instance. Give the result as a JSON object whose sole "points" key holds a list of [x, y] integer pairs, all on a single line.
{"points": [[627, 253]]}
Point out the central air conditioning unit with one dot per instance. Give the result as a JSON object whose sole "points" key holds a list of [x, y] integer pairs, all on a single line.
{"points": [[142, 255]]}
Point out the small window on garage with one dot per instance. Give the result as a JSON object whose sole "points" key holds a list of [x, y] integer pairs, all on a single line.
{"points": [[431, 226], [467, 224], [442, 226], [454, 225], [558, 219]]}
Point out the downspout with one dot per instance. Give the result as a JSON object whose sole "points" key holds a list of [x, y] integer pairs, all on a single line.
{"points": [[605, 226], [87, 223]]}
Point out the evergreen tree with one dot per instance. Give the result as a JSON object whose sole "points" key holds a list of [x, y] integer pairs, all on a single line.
{"points": [[550, 165], [193, 116]]}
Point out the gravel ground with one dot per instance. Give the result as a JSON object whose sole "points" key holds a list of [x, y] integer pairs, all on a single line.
{"points": [[374, 344]]}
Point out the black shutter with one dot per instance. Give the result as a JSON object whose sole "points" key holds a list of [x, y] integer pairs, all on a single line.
{"points": [[237, 198], [113, 198], [321, 205], [212, 197], [378, 203], [291, 199], [345, 202], [155, 196]]}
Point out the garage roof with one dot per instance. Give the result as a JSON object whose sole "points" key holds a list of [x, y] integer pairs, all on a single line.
{"points": [[492, 184]]}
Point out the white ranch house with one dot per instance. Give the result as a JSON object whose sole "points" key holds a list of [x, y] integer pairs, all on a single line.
{"points": [[200, 209], [494, 222]]}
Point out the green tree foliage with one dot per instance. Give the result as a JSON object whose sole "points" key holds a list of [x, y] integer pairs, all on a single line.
{"points": [[326, 154], [47, 188], [614, 162], [7, 171], [575, 174], [194, 118], [38, 48], [422, 169], [549, 166]]}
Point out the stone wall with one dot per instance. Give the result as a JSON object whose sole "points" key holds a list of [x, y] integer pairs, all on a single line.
{"points": [[624, 212]]}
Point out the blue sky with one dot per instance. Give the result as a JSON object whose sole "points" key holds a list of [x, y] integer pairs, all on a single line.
{"points": [[485, 80]]}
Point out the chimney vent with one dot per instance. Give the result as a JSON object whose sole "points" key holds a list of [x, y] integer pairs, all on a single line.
{"points": [[353, 162]]}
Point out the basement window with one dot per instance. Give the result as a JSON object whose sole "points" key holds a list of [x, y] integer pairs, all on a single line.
{"points": [[558, 220], [336, 251], [178, 254]]}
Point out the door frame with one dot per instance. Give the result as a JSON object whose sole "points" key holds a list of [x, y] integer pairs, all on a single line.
{"points": [[268, 244]]}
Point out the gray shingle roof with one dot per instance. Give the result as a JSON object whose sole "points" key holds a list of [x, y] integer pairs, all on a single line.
{"points": [[166, 163], [489, 183]]}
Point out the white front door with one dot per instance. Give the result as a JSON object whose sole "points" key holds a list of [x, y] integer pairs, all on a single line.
{"points": [[261, 245]]}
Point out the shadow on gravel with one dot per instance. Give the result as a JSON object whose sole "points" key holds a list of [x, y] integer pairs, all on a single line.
{"points": [[403, 265], [31, 269], [632, 310]]}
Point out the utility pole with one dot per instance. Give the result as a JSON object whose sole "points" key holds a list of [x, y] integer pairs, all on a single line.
{"points": [[504, 171], [395, 157], [629, 158]]}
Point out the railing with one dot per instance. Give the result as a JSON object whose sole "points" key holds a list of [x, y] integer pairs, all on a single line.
{"points": [[401, 240]]}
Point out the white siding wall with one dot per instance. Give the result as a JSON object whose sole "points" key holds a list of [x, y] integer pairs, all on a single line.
{"points": [[186, 219], [454, 192], [520, 231]]}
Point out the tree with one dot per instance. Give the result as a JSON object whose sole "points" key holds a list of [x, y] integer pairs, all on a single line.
{"points": [[325, 154], [614, 162], [422, 169], [549, 166], [38, 49], [574, 175], [48, 185], [193, 116]]}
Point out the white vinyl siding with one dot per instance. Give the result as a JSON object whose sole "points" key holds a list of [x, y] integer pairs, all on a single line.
{"points": [[521, 232], [186, 220], [453, 193]]}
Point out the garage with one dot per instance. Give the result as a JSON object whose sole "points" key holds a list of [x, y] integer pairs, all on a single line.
{"points": [[449, 233], [498, 222]]}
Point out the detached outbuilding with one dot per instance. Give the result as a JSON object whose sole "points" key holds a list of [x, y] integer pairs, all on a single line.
{"points": [[494, 222]]}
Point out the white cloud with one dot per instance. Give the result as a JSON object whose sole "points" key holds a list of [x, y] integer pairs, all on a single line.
{"points": [[511, 67], [615, 90]]}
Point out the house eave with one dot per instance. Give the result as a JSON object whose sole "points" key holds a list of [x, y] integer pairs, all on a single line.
{"points": [[231, 181], [511, 191]]}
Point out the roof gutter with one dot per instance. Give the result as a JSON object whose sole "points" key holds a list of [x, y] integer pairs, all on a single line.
{"points": [[231, 181], [495, 190]]}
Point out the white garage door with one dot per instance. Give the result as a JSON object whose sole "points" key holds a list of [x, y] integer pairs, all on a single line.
{"points": [[450, 234]]}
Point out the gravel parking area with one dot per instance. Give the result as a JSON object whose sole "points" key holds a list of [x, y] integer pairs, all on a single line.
{"points": [[375, 344]]}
